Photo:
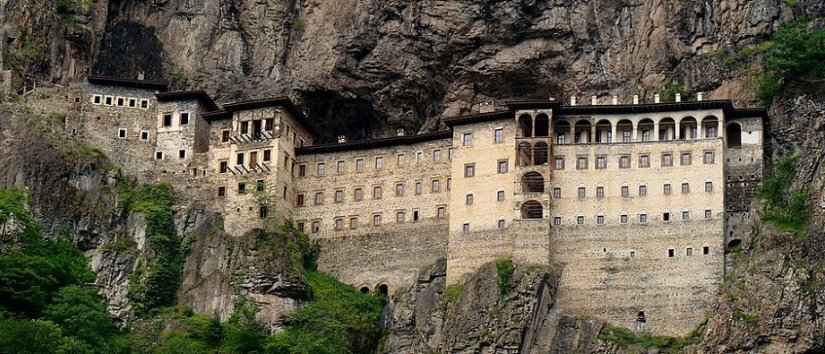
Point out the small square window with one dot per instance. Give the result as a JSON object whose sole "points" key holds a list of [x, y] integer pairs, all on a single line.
{"points": [[500, 196], [623, 219], [184, 118], [358, 194], [467, 139], [260, 186], [109, 100], [465, 228], [268, 155], [503, 166], [685, 159], [581, 163], [353, 223], [558, 163], [643, 218], [436, 186], [132, 103], [339, 224], [241, 188], [625, 192], [706, 250], [441, 212], [581, 193], [97, 99], [182, 154], [666, 217], [666, 189], [319, 198], [685, 215], [708, 214], [316, 227], [709, 158], [221, 191], [301, 226], [224, 136], [624, 161], [601, 162], [688, 251], [501, 223], [600, 219], [685, 188], [167, 120], [671, 253], [144, 104], [468, 199], [158, 155], [580, 220], [469, 170], [121, 133], [121, 101], [144, 135], [667, 159], [436, 155], [556, 220]]}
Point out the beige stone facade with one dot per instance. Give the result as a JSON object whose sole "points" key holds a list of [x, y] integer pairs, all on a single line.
{"points": [[634, 201]]}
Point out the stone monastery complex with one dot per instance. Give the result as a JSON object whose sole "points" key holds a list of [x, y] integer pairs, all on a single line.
{"points": [[638, 202]]}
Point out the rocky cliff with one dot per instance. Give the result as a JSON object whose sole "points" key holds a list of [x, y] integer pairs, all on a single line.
{"points": [[367, 66]]}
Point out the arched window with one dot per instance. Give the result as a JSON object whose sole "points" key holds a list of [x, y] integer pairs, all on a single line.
{"points": [[525, 154], [540, 151], [532, 182], [624, 129], [667, 129], [645, 130], [733, 132], [687, 128], [562, 132], [525, 122], [384, 290], [604, 132], [710, 127], [532, 210], [583, 130], [542, 125], [365, 290]]}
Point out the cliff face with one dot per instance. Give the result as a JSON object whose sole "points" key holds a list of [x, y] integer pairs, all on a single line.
{"points": [[367, 66]]}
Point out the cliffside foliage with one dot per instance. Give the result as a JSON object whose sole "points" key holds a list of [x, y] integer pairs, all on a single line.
{"points": [[643, 342], [504, 270], [156, 280], [783, 206], [796, 52]]}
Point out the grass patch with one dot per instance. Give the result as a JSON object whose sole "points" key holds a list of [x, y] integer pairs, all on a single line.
{"points": [[633, 342], [453, 293], [504, 270], [783, 207]]}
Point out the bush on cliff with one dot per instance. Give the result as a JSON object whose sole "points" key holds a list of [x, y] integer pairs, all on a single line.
{"points": [[796, 52], [783, 206]]}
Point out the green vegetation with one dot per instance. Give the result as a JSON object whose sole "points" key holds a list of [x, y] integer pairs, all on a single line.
{"points": [[671, 89], [784, 207], [299, 25], [504, 269], [796, 53], [453, 293], [13, 214], [748, 318], [156, 279], [633, 342]]}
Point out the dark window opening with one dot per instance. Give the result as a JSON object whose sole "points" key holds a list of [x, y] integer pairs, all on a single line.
{"points": [[383, 290], [532, 210], [365, 290], [225, 136], [167, 120], [733, 133], [184, 118]]}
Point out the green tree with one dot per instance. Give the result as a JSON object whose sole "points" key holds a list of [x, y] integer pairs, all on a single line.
{"points": [[36, 337], [80, 312]]}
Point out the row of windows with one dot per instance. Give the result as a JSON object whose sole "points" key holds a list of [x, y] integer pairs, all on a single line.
{"points": [[498, 137], [624, 161], [667, 189], [264, 155], [168, 121], [377, 163], [377, 192], [642, 218], [353, 222], [119, 101]]}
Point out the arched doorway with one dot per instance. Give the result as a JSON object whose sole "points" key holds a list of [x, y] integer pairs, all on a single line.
{"points": [[688, 128], [645, 130], [733, 133], [532, 182], [710, 127], [383, 290], [532, 210]]}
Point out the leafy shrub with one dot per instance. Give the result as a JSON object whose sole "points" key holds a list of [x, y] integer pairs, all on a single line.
{"points": [[671, 89], [453, 293], [80, 312], [784, 207], [13, 209], [504, 269], [797, 51], [626, 339]]}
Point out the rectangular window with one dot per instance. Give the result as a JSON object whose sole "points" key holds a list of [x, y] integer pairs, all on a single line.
{"points": [[468, 199], [263, 212], [415, 215], [582, 193], [580, 220], [558, 163], [221, 191], [670, 253], [339, 223], [241, 188], [339, 196], [627, 136], [379, 163], [642, 190], [625, 192], [358, 194], [556, 220], [316, 227], [688, 251], [667, 159], [184, 118], [253, 159], [643, 218], [167, 120], [259, 185], [269, 125], [465, 228], [121, 102], [97, 99], [644, 161], [436, 155], [685, 188], [501, 223], [144, 104], [121, 133], [599, 192], [601, 162], [244, 128], [706, 250], [556, 193], [224, 136], [467, 139], [299, 201], [399, 189], [503, 166], [159, 155], [321, 170], [109, 100], [359, 165], [666, 217], [450, 154], [436, 186], [377, 192], [581, 163], [500, 196], [301, 226], [339, 167], [302, 170], [268, 156], [399, 160], [469, 170], [449, 183], [441, 212], [224, 167], [418, 188], [599, 219], [708, 214], [498, 136], [685, 159], [624, 161], [685, 215], [132, 103], [353, 223], [623, 218], [418, 156], [400, 216], [709, 158], [666, 189], [239, 159], [182, 154], [709, 187], [319, 198]]}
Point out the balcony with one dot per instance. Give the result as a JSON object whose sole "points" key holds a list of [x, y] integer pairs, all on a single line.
{"points": [[258, 168], [254, 138]]}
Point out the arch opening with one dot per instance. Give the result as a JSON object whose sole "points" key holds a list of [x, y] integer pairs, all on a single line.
{"points": [[667, 129], [733, 133], [710, 127], [582, 131], [542, 125], [624, 128], [645, 130], [525, 122], [365, 290], [525, 154], [688, 128], [532, 182], [384, 290], [604, 132], [532, 210], [562, 132]]}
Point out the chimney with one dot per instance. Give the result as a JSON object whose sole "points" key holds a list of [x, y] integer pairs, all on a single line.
{"points": [[678, 97], [594, 100], [486, 107], [700, 96], [635, 99], [399, 132], [615, 99], [656, 98], [572, 100], [342, 139]]}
